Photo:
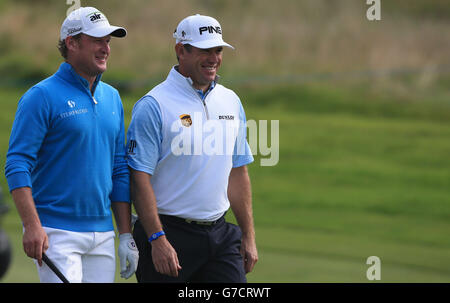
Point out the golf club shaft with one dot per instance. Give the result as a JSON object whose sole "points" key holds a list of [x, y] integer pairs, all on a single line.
{"points": [[54, 268]]}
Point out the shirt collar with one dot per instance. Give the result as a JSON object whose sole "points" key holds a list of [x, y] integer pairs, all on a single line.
{"points": [[204, 94], [199, 91], [67, 72]]}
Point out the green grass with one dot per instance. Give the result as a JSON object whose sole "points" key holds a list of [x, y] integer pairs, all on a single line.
{"points": [[359, 175], [353, 181]]}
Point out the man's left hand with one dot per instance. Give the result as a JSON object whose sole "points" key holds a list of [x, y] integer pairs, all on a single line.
{"points": [[127, 252], [249, 253]]}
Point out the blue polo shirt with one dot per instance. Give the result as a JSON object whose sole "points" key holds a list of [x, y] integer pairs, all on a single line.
{"points": [[68, 146]]}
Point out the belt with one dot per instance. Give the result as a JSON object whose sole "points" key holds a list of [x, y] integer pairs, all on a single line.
{"points": [[206, 223], [189, 221]]}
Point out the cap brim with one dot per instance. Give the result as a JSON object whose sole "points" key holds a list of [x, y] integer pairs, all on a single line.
{"points": [[209, 43], [114, 31]]}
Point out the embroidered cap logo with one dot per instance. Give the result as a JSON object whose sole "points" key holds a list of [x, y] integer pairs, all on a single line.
{"points": [[96, 17]]}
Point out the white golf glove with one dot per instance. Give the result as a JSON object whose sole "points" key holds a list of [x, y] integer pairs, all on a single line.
{"points": [[127, 252]]}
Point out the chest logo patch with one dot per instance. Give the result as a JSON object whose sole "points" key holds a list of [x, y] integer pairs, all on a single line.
{"points": [[186, 120]]}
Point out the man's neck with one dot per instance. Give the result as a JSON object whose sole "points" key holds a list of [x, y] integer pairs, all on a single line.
{"points": [[203, 87], [88, 78]]}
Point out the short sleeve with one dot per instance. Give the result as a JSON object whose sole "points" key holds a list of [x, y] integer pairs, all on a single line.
{"points": [[242, 154], [144, 135]]}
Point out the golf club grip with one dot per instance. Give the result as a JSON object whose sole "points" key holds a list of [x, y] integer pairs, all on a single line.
{"points": [[54, 268]]}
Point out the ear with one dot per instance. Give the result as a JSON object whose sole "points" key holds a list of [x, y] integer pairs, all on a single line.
{"points": [[179, 50], [71, 43]]}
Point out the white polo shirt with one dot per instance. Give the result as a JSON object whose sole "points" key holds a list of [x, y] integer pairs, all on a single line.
{"points": [[189, 143]]}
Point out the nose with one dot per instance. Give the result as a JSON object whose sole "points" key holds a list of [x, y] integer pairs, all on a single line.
{"points": [[105, 48], [213, 57]]}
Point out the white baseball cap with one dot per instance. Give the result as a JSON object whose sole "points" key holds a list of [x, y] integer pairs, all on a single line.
{"points": [[200, 31], [89, 21]]}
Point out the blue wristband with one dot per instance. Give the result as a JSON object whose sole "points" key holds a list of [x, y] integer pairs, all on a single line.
{"points": [[156, 236]]}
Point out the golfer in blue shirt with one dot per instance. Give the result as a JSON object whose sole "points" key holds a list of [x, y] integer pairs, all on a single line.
{"points": [[66, 160]]}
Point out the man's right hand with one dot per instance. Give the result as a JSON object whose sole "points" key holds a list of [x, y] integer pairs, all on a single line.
{"points": [[35, 242], [165, 257]]}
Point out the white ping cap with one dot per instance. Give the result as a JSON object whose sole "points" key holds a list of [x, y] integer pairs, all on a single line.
{"points": [[89, 21], [200, 31]]}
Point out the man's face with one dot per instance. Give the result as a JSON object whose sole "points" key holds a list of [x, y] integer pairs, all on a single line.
{"points": [[90, 54], [201, 65]]}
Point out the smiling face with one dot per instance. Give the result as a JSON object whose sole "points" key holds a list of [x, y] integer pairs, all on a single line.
{"points": [[88, 55], [201, 65]]}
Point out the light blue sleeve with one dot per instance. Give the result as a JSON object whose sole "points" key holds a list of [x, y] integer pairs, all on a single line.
{"points": [[242, 154], [144, 135]]}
